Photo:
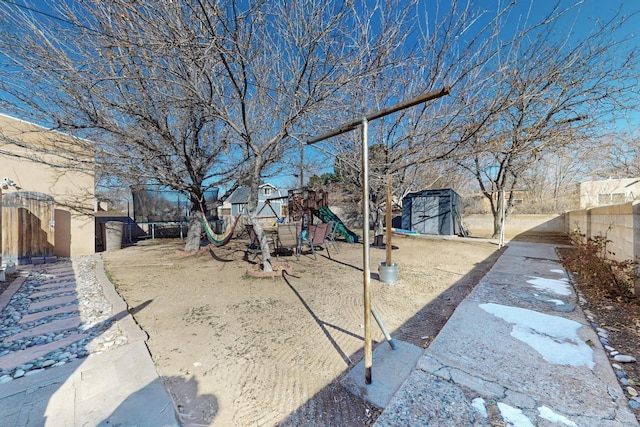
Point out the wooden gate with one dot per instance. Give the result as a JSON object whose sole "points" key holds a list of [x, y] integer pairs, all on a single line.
{"points": [[27, 226]]}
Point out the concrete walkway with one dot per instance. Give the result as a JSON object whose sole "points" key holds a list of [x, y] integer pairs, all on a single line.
{"points": [[519, 348], [118, 387]]}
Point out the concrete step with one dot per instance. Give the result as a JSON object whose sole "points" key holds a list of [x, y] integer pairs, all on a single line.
{"points": [[15, 359], [54, 326], [68, 284], [52, 293], [53, 302], [34, 317]]}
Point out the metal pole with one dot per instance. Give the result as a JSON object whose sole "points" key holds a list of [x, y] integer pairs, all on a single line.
{"points": [[368, 350], [381, 113], [387, 219], [368, 357], [301, 164], [502, 213], [386, 333]]}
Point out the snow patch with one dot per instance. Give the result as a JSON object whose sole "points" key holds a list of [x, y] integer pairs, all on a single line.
{"points": [[559, 287], [479, 405], [556, 301], [514, 416], [554, 338], [548, 414]]}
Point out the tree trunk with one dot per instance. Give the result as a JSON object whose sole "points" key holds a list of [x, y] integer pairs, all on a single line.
{"points": [[378, 228], [497, 224], [499, 215], [194, 232], [264, 244]]}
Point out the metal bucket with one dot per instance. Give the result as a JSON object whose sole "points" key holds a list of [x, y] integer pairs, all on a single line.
{"points": [[388, 274]]}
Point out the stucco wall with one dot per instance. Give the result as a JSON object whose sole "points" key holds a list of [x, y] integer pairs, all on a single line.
{"points": [[73, 191], [608, 192], [482, 225]]}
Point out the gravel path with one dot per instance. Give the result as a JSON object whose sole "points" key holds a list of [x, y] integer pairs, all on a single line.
{"points": [[52, 314]]}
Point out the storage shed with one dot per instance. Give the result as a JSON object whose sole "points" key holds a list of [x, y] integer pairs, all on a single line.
{"points": [[432, 212]]}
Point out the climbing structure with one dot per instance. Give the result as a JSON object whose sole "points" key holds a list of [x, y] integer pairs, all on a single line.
{"points": [[304, 204]]}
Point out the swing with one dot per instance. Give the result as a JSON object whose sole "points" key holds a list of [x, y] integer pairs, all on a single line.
{"points": [[219, 239]]}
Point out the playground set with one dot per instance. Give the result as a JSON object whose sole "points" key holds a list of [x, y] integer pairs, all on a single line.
{"points": [[305, 204]]}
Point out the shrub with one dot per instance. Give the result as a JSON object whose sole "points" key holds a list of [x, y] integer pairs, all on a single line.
{"points": [[588, 259]]}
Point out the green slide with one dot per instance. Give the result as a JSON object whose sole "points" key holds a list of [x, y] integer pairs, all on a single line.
{"points": [[325, 214]]}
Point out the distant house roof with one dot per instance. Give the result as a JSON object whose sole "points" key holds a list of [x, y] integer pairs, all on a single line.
{"points": [[240, 195]]}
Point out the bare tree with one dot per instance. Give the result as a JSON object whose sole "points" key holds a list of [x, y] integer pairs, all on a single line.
{"points": [[187, 95], [623, 159], [448, 45], [131, 80], [545, 93]]}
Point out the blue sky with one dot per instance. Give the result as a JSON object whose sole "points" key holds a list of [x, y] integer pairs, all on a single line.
{"points": [[583, 20], [580, 22]]}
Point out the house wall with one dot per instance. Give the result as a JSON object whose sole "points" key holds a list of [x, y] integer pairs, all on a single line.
{"points": [[238, 204], [73, 191], [608, 192]]}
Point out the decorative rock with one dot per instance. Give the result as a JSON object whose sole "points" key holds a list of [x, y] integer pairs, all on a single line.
{"points": [[624, 358], [624, 381], [616, 366], [609, 348], [51, 282], [632, 391], [614, 353], [633, 404], [48, 363]]}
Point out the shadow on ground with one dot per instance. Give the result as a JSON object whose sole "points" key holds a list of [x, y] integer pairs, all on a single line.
{"points": [[334, 405]]}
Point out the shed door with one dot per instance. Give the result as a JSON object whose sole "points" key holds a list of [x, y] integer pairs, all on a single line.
{"points": [[425, 215], [432, 215]]}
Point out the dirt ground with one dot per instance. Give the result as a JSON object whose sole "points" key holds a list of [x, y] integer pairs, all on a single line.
{"points": [[244, 351]]}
